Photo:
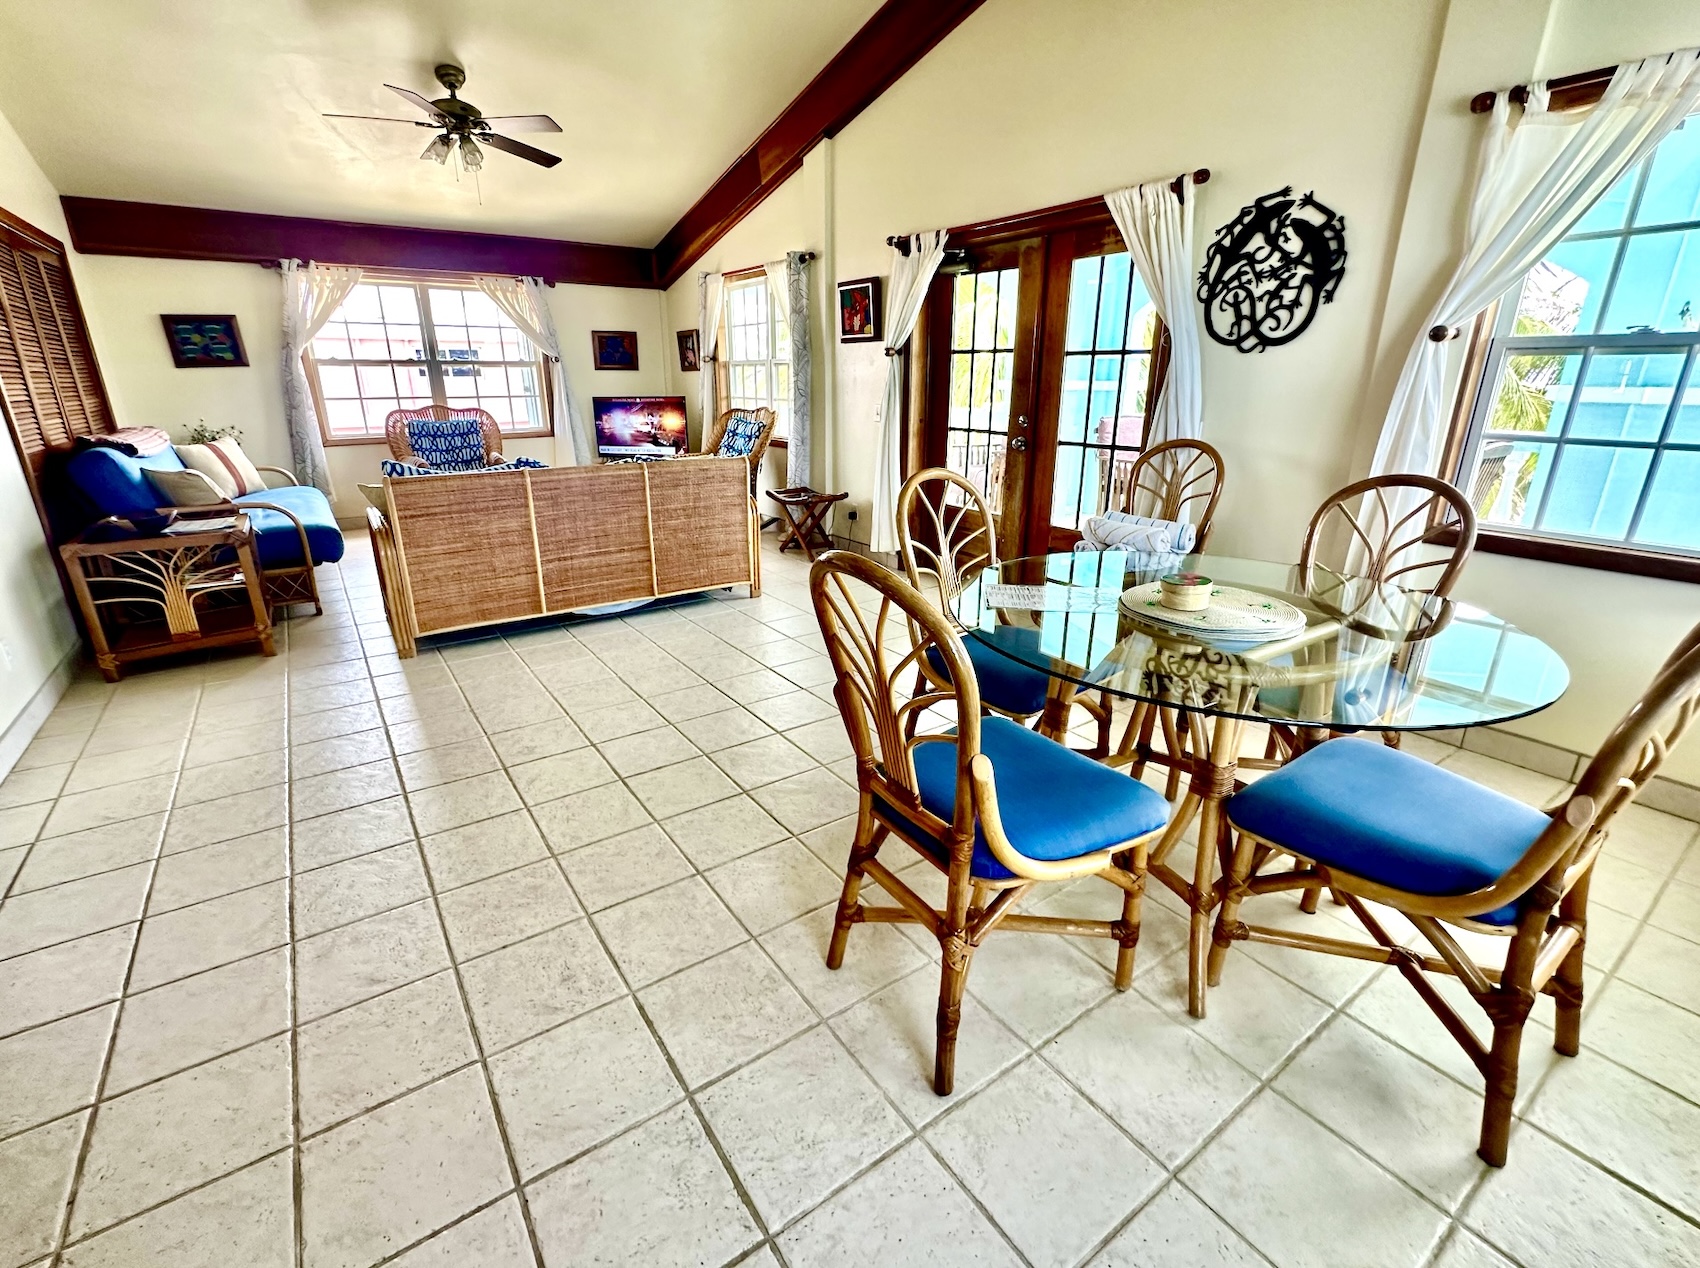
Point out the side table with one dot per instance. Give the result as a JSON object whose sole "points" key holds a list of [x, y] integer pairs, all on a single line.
{"points": [[143, 597], [804, 510]]}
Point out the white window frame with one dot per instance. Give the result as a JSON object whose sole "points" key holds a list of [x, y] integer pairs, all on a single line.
{"points": [[433, 363]]}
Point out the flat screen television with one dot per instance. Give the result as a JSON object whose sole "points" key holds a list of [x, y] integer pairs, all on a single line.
{"points": [[639, 426]]}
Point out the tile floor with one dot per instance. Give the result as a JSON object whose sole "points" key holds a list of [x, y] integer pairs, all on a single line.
{"points": [[511, 954]]}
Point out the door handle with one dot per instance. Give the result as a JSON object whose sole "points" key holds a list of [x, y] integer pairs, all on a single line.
{"points": [[1019, 444]]}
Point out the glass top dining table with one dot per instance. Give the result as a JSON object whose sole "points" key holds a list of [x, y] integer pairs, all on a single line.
{"points": [[1370, 656]]}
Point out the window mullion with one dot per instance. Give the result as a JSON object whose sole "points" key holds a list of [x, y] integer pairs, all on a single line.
{"points": [[1659, 453], [428, 332]]}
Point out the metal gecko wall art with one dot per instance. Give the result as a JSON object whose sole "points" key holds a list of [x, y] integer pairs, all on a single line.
{"points": [[1269, 269]]}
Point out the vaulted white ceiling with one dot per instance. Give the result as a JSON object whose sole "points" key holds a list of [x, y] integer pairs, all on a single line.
{"points": [[219, 104]]}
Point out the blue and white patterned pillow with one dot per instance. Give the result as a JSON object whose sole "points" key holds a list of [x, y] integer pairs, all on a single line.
{"points": [[742, 433], [449, 444]]}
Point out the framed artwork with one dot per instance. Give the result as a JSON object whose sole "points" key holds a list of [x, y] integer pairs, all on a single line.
{"points": [[198, 339], [614, 349], [859, 311], [690, 357]]}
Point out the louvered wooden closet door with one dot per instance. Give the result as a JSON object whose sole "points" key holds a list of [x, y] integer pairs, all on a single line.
{"points": [[49, 381]]}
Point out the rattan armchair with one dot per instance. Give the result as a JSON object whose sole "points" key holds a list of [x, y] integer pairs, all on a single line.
{"points": [[400, 441], [1442, 851], [715, 432], [992, 805]]}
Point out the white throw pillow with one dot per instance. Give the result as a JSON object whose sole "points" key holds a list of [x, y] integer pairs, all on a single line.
{"points": [[185, 488], [224, 463]]}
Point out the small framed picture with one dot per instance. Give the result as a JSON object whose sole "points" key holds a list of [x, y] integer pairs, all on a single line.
{"points": [[614, 349], [859, 311], [201, 340], [690, 357]]}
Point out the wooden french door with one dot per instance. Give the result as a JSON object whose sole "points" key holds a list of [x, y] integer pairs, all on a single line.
{"points": [[1042, 360]]}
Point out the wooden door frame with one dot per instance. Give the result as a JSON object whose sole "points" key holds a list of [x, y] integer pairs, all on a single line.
{"points": [[1063, 233]]}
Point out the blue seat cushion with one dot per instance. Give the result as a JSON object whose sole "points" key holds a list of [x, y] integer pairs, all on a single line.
{"points": [[1055, 804], [1004, 683], [275, 538], [1391, 818], [114, 483]]}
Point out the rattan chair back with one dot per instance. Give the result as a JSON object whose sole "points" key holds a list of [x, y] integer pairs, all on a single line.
{"points": [[1177, 480], [1367, 527], [401, 443], [946, 536], [871, 653]]}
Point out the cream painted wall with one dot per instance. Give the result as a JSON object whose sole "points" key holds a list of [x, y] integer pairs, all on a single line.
{"points": [[125, 296], [36, 630]]}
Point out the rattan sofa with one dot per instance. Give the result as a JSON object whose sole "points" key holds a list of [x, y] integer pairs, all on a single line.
{"points": [[455, 552]]}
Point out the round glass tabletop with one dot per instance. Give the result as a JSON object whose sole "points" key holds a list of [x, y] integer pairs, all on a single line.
{"points": [[1347, 654]]}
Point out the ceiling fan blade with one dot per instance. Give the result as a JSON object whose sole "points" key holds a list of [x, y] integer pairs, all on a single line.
{"points": [[378, 118], [417, 100], [519, 149], [524, 123]]}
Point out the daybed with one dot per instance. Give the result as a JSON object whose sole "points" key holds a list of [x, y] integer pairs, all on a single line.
{"points": [[293, 526], [459, 551]]}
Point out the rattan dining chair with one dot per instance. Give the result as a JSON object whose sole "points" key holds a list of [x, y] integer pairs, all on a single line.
{"points": [[1378, 825], [995, 807], [1423, 546], [946, 537], [1175, 480]]}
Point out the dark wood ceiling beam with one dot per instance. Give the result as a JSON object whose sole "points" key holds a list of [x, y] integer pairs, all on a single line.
{"points": [[101, 226], [900, 34]]}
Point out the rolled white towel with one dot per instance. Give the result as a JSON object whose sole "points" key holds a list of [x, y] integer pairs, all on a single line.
{"points": [[1117, 530]]}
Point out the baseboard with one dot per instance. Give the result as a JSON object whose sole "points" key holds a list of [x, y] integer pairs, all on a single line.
{"points": [[17, 736]]}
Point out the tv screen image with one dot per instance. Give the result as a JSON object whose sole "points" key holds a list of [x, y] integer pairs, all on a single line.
{"points": [[639, 426]]}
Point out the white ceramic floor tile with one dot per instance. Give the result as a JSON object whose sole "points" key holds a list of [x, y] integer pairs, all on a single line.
{"points": [[35, 1176], [875, 956], [656, 1196], [724, 1011], [622, 867], [196, 1018], [798, 1123], [1175, 1228], [503, 909], [667, 930], [723, 830], [1054, 1172], [908, 1209], [532, 985], [775, 885], [493, 1238], [52, 1069], [471, 853], [1299, 1193], [619, 1076]]}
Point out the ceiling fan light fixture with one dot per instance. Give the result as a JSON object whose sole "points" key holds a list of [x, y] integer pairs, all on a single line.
{"points": [[471, 157], [438, 149]]}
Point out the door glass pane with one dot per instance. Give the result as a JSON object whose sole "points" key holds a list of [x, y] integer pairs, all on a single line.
{"points": [[1106, 370], [982, 370]]}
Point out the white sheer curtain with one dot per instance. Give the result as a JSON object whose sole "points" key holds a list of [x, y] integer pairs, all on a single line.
{"points": [[788, 286], [712, 288], [311, 293], [1539, 171], [525, 303], [911, 275], [1156, 224]]}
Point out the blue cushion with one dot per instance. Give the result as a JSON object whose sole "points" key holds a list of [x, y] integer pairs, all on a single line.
{"points": [[1391, 818], [447, 444], [275, 538], [739, 439], [1004, 683], [1055, 804], [117, 484]]}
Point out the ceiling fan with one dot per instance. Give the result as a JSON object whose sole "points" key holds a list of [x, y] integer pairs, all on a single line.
{"points": [[463, 126]]}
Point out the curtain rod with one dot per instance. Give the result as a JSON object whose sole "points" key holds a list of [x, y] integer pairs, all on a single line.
{"points": [[1178, 186], [1581, 89]]}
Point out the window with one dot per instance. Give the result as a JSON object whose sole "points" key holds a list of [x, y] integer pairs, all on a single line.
{"points": [[757, 343], [1586, 422], [401, 344]]}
